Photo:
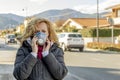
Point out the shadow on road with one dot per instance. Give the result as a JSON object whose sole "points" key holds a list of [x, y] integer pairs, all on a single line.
{"points": [[94, 73], [75, 73], [6, 72]]}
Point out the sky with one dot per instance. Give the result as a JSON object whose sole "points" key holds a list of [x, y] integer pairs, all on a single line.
{"points": [[31, 7]]}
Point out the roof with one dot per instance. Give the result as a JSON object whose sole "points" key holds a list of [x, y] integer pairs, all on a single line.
{"points": [[114, 7], [89, 22], [108, 14], [59, 23]]}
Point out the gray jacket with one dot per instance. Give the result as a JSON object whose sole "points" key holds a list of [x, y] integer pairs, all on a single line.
{"points": [[51, 67]]}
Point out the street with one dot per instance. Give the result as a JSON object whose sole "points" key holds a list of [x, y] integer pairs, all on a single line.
{"points": [[86, 65], [90, 65]]}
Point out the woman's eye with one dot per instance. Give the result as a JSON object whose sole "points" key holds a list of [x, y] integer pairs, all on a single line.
{"points": [[44, 31]]}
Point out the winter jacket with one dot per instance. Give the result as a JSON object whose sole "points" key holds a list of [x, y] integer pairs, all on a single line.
{"points": [[50, 67]]}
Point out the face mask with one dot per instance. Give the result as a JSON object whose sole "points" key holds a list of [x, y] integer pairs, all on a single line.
{"points": [[41, 38]]}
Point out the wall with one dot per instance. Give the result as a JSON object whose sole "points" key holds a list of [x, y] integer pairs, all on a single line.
{"points": [[101, 39]]}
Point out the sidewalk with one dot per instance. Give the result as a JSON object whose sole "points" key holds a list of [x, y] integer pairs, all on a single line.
{"points": [[103, 51], [7, 57]]}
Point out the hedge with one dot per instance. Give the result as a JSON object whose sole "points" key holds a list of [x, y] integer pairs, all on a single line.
{"points": [[102, 32], [104, 46]]}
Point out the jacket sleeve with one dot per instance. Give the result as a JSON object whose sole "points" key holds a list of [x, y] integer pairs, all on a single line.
{"points": [[56, 65], [23, 65]]}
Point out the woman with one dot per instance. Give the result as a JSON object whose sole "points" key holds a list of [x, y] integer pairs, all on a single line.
{"points": [[34, 62]]}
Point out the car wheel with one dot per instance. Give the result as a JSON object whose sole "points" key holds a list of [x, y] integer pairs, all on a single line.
{"points": [[81, 49], [69, 49]]}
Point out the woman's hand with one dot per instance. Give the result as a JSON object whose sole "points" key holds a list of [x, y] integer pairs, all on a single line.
{"points": [[34, 44], [46, 46]]}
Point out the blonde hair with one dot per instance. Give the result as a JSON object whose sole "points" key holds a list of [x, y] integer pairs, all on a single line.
{"points": [[31, 29]]}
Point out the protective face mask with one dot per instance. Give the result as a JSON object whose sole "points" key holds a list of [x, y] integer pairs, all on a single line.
{"points": [[41, 38]]}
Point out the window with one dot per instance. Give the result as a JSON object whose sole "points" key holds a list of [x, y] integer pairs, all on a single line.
{"points": [[75, 35], [11, 36], [118, 13], [62, 35], [79, 35], [72, 35]]}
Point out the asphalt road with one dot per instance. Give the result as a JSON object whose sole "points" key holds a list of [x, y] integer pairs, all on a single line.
{"points": [[87, 65], [93, 65]]}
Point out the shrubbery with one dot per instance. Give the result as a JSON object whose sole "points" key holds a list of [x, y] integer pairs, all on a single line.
{"points": [[102, 32], [104, 46]]}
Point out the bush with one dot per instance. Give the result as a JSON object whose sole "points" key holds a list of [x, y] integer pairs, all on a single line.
{"points": [[87, 32], [102, 32], [17, 34], [112, 49], [104, 46]]}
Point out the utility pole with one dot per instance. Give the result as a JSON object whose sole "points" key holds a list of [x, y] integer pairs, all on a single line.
{"points": [[111, 22], [97, 21]]}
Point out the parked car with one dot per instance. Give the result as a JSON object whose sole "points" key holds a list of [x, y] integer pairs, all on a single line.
{"points": [[71, 40], [10, 38]]}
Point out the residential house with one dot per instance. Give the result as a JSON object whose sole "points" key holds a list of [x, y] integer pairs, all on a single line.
{"points": [[115, 14], [58, 24], [80, 23], [27, 20], [21, 27]]}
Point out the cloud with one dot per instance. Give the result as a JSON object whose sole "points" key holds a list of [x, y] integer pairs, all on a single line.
{"points": [[93, 8], [39, 1], [85, 8]]}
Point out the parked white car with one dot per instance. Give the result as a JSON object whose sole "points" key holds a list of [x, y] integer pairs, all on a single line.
{"points": [[71, 40]]}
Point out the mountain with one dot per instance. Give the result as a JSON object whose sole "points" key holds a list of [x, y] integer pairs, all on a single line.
{"points": [[10, 20], [7, 20], [13, 17], [64, 14]]}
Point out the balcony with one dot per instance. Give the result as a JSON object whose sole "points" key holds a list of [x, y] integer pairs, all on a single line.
{"points": [[116, 21]]}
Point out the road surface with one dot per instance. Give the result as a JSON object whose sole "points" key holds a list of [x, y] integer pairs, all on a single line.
{"points": [[87, 65]]}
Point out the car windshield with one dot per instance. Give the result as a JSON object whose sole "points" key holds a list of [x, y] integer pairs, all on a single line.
{"points": [[61, 35], [11, 36], [74, 35]]}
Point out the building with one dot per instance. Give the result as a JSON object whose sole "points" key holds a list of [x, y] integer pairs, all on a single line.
{"points": [[21, 27], [80, 23], [27, 20], [114, 14]]}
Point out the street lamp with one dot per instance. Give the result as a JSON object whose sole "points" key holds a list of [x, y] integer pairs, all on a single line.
{"points": [[25, 9], [97, 21]]}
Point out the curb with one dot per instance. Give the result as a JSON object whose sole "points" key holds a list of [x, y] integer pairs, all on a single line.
{"points": [[104, 51], [111, 52]]}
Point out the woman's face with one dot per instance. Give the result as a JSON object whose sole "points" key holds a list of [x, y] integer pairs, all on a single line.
{"points": [[42, 27]]}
